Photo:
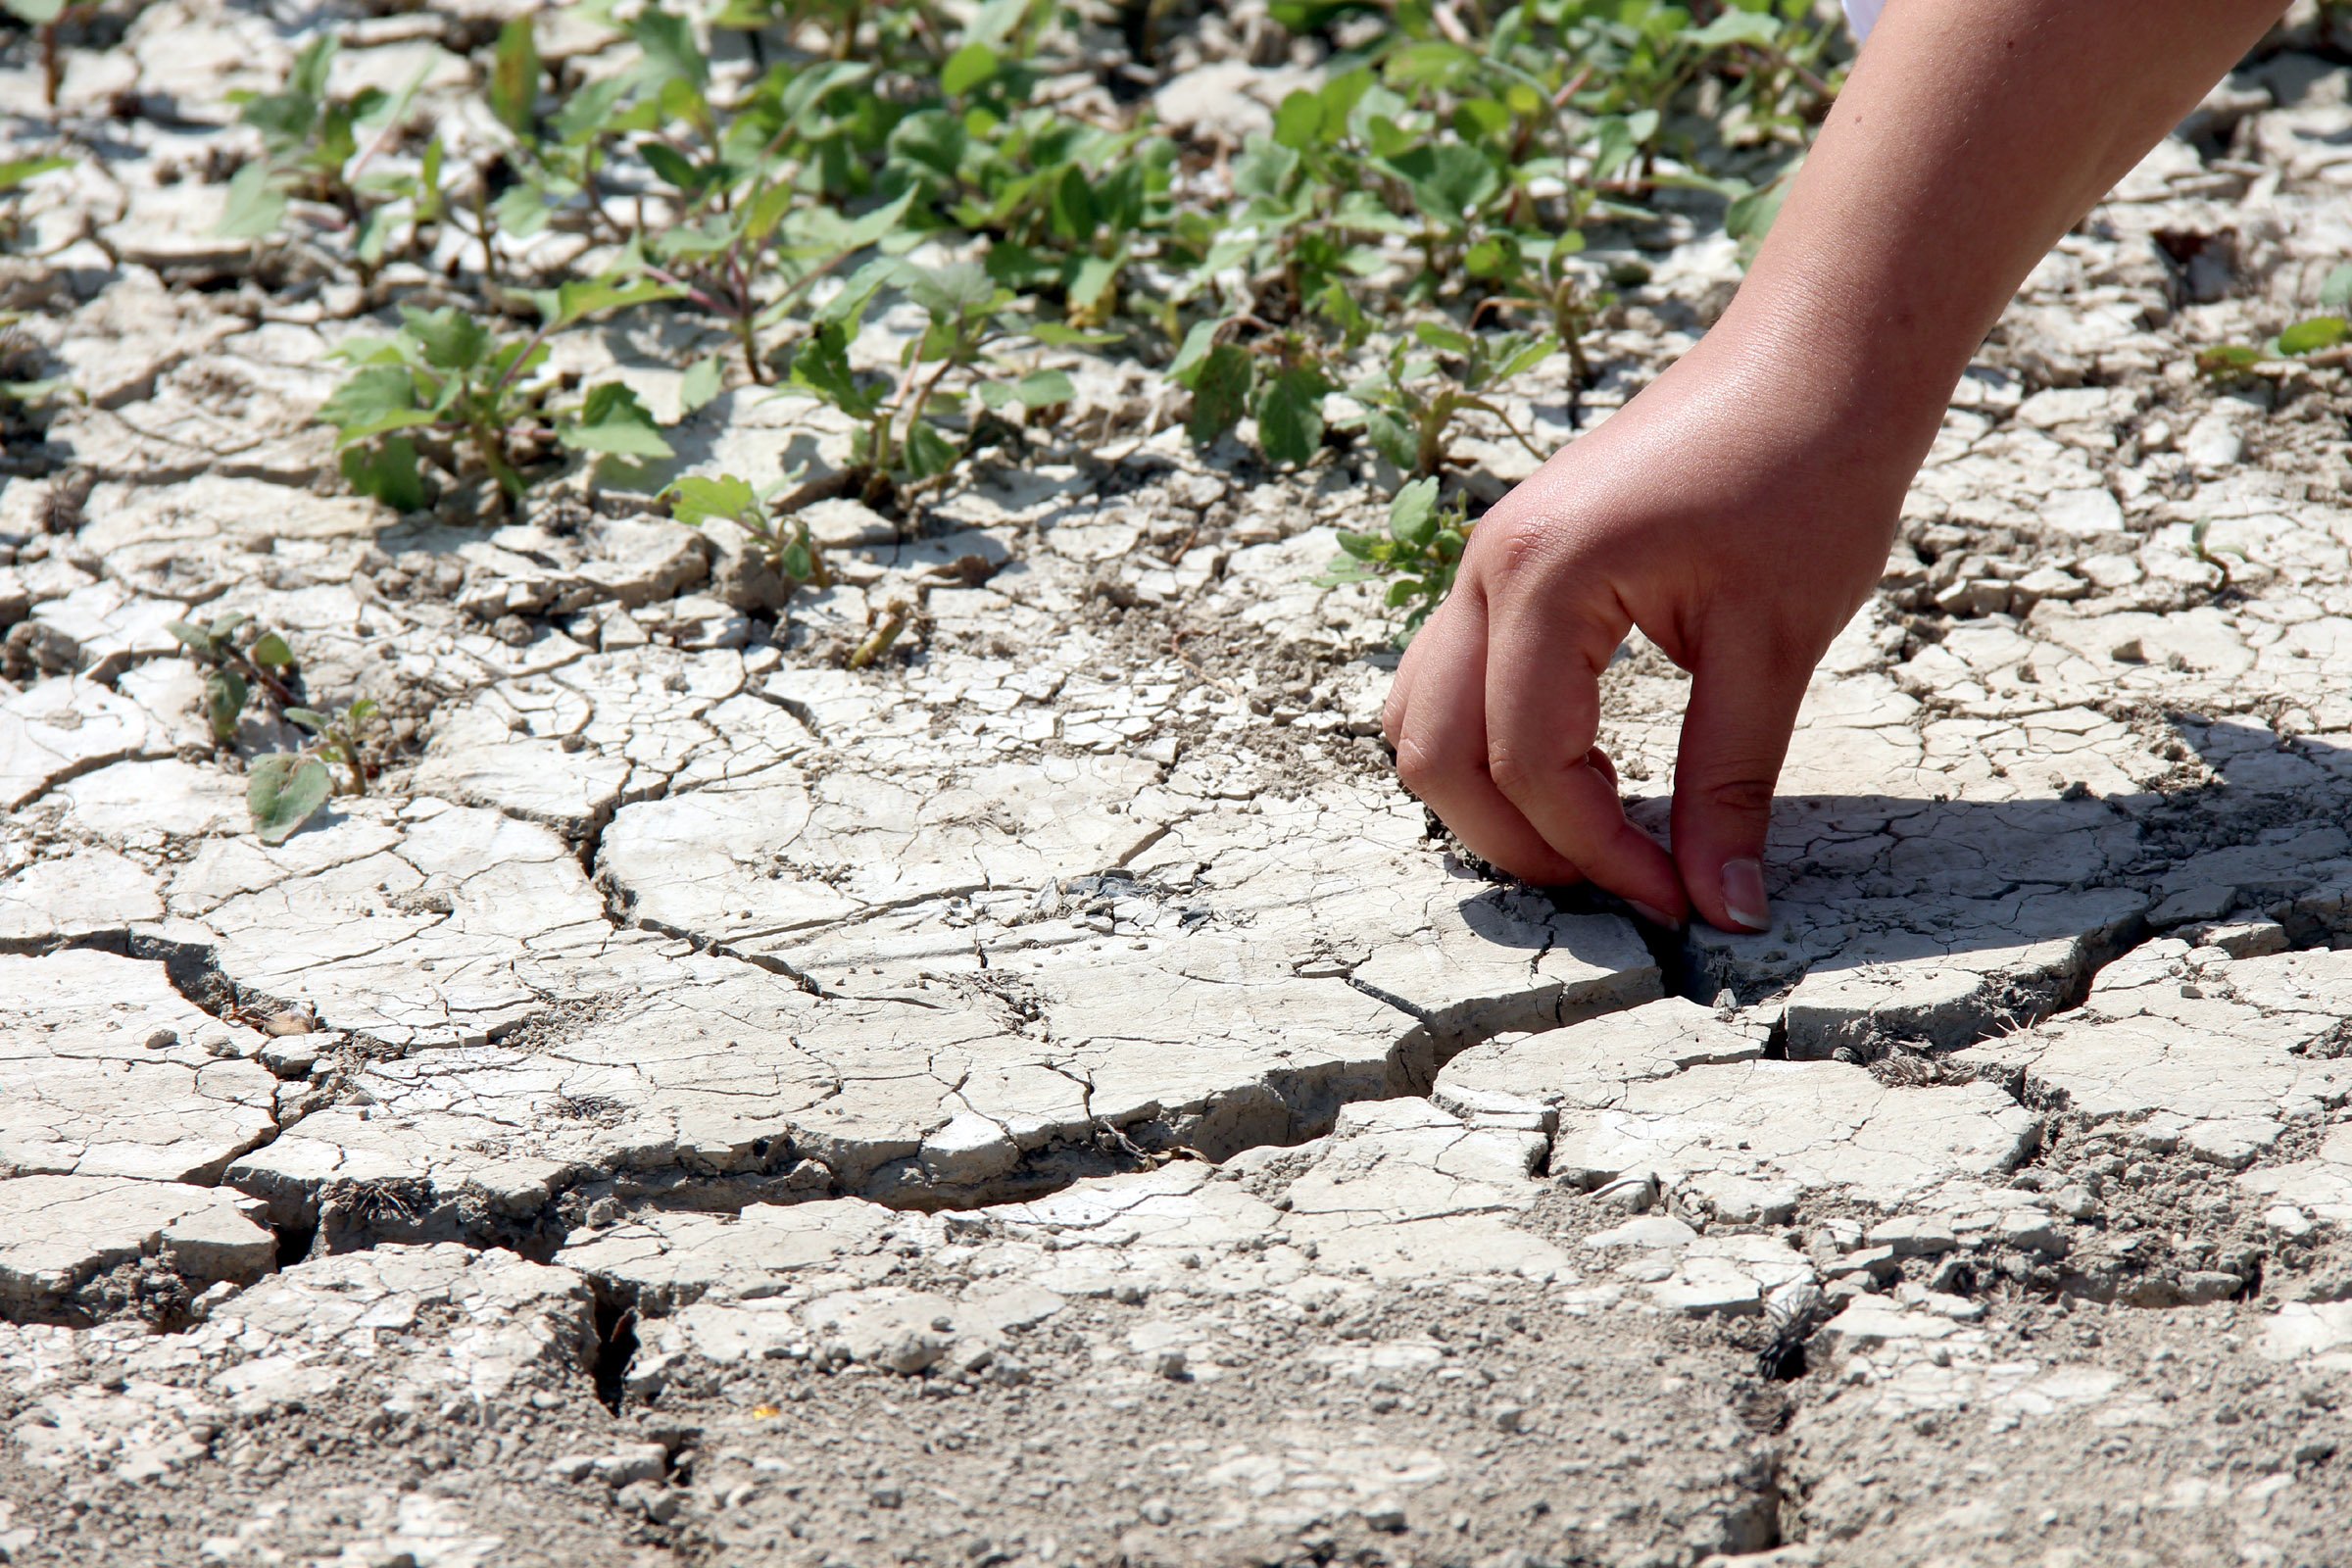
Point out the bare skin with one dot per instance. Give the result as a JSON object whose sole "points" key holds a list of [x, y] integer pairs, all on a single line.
{"points": [[1740, 509]]}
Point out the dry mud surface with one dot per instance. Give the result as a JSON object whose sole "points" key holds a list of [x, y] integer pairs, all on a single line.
{"points": [[1046, 1099]]}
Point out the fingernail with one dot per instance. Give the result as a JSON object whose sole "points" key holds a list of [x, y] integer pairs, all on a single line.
{"points": [[1654, 916], [1744, 894]]}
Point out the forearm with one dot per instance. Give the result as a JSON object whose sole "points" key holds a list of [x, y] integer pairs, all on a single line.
{"points": [[1969, 137]]}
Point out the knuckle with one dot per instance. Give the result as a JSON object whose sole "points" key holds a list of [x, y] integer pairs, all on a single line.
{"points": [[1512, 546], [1421, 768], [1512, 772], [1749, 796]]}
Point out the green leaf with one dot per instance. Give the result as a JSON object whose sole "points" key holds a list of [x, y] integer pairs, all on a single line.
{"points": [[1221, 386], [2226, 361], [372, 400], [522, 211], [1308, 16], [310, 67], [2310, 337], [1299, 122], [36, 13], [1431, 63], [256, 204], [700, 384], [613, 420], [1062, 335], [386, 470], [1198, 339], [1450, 182], [361, 712], [585, 115], [668, 164], [967, 67], [514, 73], [17, 171], [1038, 389], [309, 718], [1392, 438], [1493, 257], [1738, 28], [1446, 339], [225, 693], [1614, 145], [932, 140], [667, 43], [2336, 292], [270, 651], [195, 639], [375, 235], [1413, 515], [1289, 414], [1073, 210], [1749, 218], [451, 339], [284, 790], [952, 293], [695, 500], [584, 297], [1264, 169], [1525, 357], [1090, 278], [820, 367], [876, 225], [928, 452]]}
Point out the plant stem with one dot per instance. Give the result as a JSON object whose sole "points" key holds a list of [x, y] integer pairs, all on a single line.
{"points": [[894, 621]]}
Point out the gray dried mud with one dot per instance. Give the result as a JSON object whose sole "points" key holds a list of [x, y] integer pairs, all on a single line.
{"points": [[1047, 1097]]}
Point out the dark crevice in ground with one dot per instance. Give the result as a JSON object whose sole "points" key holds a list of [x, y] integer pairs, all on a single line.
{"points": [[294, 1243], [616, 1347]]}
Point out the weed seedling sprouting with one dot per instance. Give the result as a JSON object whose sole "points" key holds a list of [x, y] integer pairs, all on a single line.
{"points": [[286, 789], [445, 380], [232, 671], [2317, 340], [1418, 556], [1413, 402], [787, 546]]}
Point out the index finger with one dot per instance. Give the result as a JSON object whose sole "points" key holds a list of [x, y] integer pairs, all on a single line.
{"points": [[1542, 713]]}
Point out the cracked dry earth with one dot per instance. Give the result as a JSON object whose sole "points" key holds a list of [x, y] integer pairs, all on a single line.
{"points": [[1045, 1098]]}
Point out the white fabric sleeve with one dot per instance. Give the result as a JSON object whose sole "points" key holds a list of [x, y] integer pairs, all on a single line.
{"points": [[1862, 16]]}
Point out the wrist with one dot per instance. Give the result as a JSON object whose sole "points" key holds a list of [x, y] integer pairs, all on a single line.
{"points": [[1873, 375]]}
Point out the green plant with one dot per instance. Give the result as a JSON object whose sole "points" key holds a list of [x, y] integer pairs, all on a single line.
{"points": [[233, 668], [312, 150], [1281, 382], [787, 544], [337, 736], [1411, 229], [2316, 339], [447, 380], [904, 438], [1418, 556], [284, 790], [15, 174], [1429, 378], [2207, 555]]}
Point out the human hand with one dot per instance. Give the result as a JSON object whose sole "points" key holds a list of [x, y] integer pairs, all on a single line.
{"points": [[1739, 508], [1739, 513]]}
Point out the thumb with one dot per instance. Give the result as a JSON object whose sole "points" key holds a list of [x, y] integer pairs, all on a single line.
{"points": [[1744, 704]]}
